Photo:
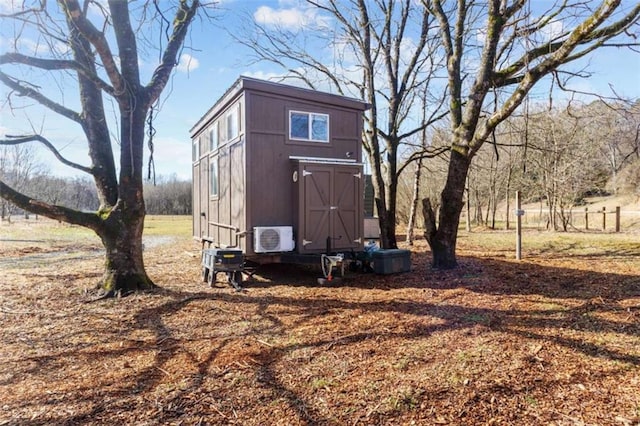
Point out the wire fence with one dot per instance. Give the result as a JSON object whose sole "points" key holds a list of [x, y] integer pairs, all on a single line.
{"points": [[613, 219], [608, 219]]}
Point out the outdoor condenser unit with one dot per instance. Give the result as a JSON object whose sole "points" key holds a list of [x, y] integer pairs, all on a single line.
{"points": [[268, 239]]}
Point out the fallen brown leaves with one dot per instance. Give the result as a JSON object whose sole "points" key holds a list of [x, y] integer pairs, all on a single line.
{"points": [[550, 340]]}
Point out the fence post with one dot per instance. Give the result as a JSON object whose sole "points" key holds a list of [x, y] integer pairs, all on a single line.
{"points": [[519, 213], [604, 218], [617, 218], [586, 218]]}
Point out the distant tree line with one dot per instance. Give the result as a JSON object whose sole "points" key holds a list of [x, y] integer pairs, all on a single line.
{"points": [[554, 156], [20, 168], [169, 196]]}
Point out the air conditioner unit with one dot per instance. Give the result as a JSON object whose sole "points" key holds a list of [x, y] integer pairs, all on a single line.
{"points": [[268, 239]]}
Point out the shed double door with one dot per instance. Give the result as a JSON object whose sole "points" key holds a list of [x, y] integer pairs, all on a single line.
{"points": [[330, 207]]}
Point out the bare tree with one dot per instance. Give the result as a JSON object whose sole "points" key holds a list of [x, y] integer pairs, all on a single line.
{"points": [[516, 51], [87, 30], [383, 53], [413, 211], [615, 128], [18, 164], [564, 163], [168, 195]]}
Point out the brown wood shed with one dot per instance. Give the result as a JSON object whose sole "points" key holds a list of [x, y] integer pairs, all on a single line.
{"points": [[276, 169]]}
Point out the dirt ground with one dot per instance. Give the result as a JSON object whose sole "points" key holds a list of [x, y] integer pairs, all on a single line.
{"points": [[553, 340]]}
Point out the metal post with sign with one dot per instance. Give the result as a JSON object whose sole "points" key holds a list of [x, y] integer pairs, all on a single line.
{"points": [[519, 213]]}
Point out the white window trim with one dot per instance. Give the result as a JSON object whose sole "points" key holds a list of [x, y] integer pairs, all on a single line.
{"points": [[310, 115]]}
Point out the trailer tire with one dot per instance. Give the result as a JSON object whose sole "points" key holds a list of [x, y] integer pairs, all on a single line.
{"points": [[205, 274], [211, 279]]}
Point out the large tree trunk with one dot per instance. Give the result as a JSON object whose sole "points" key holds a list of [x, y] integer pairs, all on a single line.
{"points": [[414, 202], [119, 220], [387, 221], [124, 267], [385, 208], [443, 236]]}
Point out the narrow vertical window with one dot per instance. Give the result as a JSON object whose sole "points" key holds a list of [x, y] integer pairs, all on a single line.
{"points": [[233, 122], [213, 176], [195, 151], [213, 137]]}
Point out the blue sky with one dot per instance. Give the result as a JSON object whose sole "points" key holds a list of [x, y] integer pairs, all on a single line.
{"points": [[212, 61]]}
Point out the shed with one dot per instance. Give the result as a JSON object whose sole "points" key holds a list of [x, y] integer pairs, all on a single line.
{"points": [[277, 169]]}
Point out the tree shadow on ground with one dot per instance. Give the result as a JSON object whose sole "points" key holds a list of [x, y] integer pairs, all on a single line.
{"points": [[251, 334], [476, 274], [593, 294], [493, 276]]}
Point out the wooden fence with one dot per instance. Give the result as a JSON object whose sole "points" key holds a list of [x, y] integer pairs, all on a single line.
{"points": [[607, 219], [602, 219], [603, 213]]}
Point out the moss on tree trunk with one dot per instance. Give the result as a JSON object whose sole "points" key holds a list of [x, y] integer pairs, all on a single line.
{"points": [[124, 265]]}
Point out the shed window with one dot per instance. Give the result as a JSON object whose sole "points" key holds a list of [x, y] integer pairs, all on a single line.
{"points": [[213, 176], [308, 126], [195, 151], [233, 123], [213, 137]]}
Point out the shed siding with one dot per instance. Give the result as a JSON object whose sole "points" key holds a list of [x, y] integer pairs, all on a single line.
{"points": [[256, 183]]}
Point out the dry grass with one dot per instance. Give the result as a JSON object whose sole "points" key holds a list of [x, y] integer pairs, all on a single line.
{"points": [[554, 339]]}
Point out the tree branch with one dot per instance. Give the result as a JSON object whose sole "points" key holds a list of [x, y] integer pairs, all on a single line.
{"points": [[97, 40], [54, 64], [65, 214], [562, 54], [29, 92], [17, 140], [454, 49], [181, 22], [430, 152], [507, 75], [434, 118]]}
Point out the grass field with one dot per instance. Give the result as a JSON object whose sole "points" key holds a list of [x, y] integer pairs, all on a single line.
{"points": [[552, 339]]}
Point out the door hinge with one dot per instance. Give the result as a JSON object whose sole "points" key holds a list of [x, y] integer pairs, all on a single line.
{"points": [[306, 173], [358, 175], [306, 242], [333, 208], [358, 240]]}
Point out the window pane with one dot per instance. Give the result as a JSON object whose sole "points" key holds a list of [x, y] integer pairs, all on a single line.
{"points": [[213, 176], [213, 137], [232, 124], [320, 128], [195, 152], [299, 126]]}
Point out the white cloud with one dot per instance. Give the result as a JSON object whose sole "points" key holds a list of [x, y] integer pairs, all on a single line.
{"points": [[265, 75], [552, 30], [171, 156], [187, 63], [292, 18]]}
